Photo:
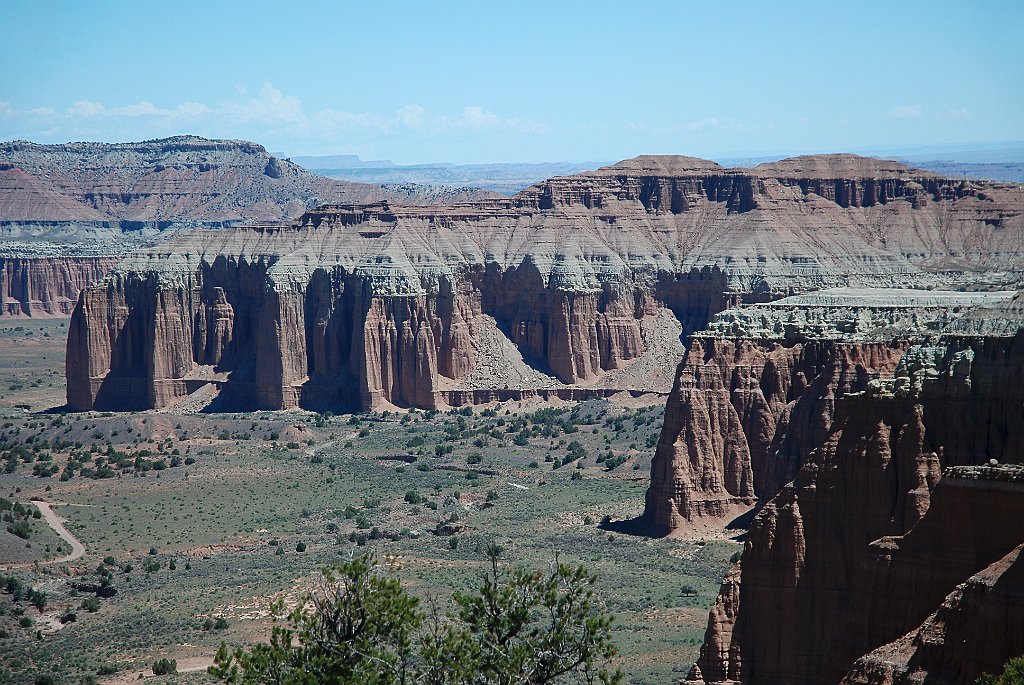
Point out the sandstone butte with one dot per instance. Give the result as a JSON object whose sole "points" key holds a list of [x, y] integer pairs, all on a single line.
{"points": [[894, 554], [67, 212]]}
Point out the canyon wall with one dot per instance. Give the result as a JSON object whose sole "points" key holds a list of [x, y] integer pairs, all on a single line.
{"points": [[371, 305], [47, 286], [742, 417], [890, 551], [757, 391]]}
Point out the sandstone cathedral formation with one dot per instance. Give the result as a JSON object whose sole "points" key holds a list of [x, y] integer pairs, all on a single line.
{"points": [[364, 306]]}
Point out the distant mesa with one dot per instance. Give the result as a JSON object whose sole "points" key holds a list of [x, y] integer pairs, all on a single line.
{"points": [[183, 178]]}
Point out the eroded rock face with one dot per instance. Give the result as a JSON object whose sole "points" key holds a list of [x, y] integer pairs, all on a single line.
{"points": [[977, 629], [872, 545], [572, 273], [47, 286], [744, 414], [758, 387]]}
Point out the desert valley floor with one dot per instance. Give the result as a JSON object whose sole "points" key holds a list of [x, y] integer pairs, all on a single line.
{"points": [[203, 518]]}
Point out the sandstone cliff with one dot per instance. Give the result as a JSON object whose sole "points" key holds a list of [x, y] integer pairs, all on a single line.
{"points": [[373, 304], [875, 551], [757, 391], [47, 286]]}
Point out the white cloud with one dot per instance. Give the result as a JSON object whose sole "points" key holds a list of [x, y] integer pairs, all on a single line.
{"points": [[906, 111], [960, 113], [411, 116], [271, 105], [87, 108], [478, 117], [267, 114]]}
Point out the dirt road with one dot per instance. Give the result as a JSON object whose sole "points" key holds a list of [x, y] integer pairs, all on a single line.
{"points": [[57, 523]]}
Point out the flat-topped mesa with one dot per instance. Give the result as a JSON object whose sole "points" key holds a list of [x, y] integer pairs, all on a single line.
{"points": [[898, 542], [183, 178], [368, 305], [757, 391]]}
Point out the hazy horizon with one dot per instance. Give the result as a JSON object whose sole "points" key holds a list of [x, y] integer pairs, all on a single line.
{"points": [[523, 83]]}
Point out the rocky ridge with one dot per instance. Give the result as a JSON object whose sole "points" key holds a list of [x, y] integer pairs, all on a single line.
{"points": [[758, 388], [183, 178], [371, 305], [895, 545]]}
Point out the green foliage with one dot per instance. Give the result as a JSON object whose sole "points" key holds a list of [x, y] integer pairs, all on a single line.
{"points": [[1013, 674], [165, 666], [38, 599], [20, 528], [361, 626]]}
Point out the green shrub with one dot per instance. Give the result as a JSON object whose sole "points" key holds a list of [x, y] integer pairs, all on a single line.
{"points": [[1013, 674], [20, 528], [165, 666], [548, 624]]}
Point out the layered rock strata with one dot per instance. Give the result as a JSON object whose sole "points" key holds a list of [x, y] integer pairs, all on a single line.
{"points": [[97, 199], [46, 286], [757, 391], [183, 178], [891, 555], [375, 304]]}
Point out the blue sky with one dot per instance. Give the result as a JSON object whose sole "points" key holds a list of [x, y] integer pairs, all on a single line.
{"points": [[525, 81]]}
